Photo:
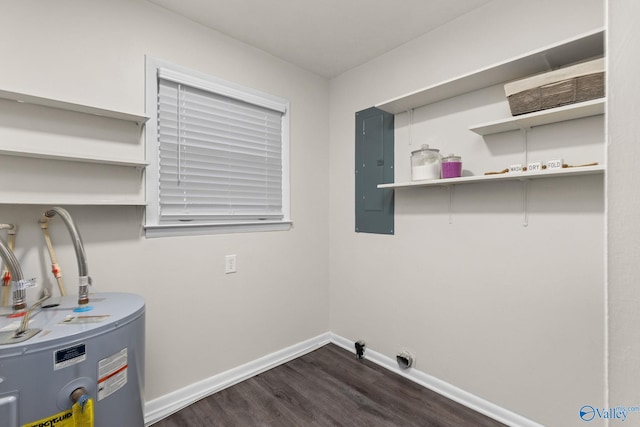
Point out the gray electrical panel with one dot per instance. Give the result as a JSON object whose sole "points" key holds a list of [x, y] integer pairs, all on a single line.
{"points": [[374, 165]]}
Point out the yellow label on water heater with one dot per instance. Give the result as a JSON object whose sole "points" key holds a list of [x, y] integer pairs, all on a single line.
{"points": [[75, 417], [62, 419]]}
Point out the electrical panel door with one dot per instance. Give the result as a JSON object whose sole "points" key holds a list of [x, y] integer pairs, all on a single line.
{"points": [[374, 165]]}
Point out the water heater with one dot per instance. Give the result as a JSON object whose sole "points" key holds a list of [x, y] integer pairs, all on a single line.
{"points": [[98, 353]]}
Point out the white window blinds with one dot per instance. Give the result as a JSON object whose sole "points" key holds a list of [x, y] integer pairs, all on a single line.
{"points": [[220, 153]]}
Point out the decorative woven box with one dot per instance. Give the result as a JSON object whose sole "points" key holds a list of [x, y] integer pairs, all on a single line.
{"points": [[576, 83]]}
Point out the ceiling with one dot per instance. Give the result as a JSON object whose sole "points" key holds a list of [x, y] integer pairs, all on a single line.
{"points": [[327, 37]]}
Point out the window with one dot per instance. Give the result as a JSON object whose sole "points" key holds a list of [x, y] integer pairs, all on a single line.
{"points": [[218, 155]]}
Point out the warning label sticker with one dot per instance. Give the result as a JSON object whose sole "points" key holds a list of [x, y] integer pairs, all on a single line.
{"points": [[69, 356], [83, 320], [62, 419], [112, 374]]}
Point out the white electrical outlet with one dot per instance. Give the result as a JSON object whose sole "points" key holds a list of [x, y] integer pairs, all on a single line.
{"points": [[230, 264]]}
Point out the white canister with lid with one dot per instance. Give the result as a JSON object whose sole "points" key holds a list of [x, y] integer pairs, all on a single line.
{"points": [[425, 163]]}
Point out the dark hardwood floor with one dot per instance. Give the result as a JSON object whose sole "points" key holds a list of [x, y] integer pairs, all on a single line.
{"points": [[327, 387]]}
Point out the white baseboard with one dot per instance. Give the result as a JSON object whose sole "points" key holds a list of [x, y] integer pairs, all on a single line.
{"points": [[162, 407], [445, 389]]}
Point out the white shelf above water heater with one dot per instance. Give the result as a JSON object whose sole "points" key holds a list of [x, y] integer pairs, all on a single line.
{"points": [[71, 202], [73, 158], [71, 106], [119, 179]]}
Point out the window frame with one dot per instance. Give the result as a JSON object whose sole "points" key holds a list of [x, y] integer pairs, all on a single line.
{"points": [[152, 225]]}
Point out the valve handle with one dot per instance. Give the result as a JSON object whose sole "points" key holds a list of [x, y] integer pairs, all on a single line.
{"points": [[82, 401]]}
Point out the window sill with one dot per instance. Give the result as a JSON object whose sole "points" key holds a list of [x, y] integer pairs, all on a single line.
{"points": [[175, 230]]}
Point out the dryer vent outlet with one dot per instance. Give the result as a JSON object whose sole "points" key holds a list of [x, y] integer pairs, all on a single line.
{"points": [[360, 347], [405, 359]]}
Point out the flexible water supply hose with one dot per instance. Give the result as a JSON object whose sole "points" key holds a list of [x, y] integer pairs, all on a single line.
{"points": [[55, 268], [6, 274], [84, 280], [19, 292]]}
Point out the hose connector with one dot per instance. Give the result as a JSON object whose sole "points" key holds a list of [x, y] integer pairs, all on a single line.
{"points": [[83, 291]]}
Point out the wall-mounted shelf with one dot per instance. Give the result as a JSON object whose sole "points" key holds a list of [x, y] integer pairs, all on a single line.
{"points": [[64, 202], [73, 158], [583, 47], [566, 52], [554, 115], [70, 106], [509, 176], [50, 159]]}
